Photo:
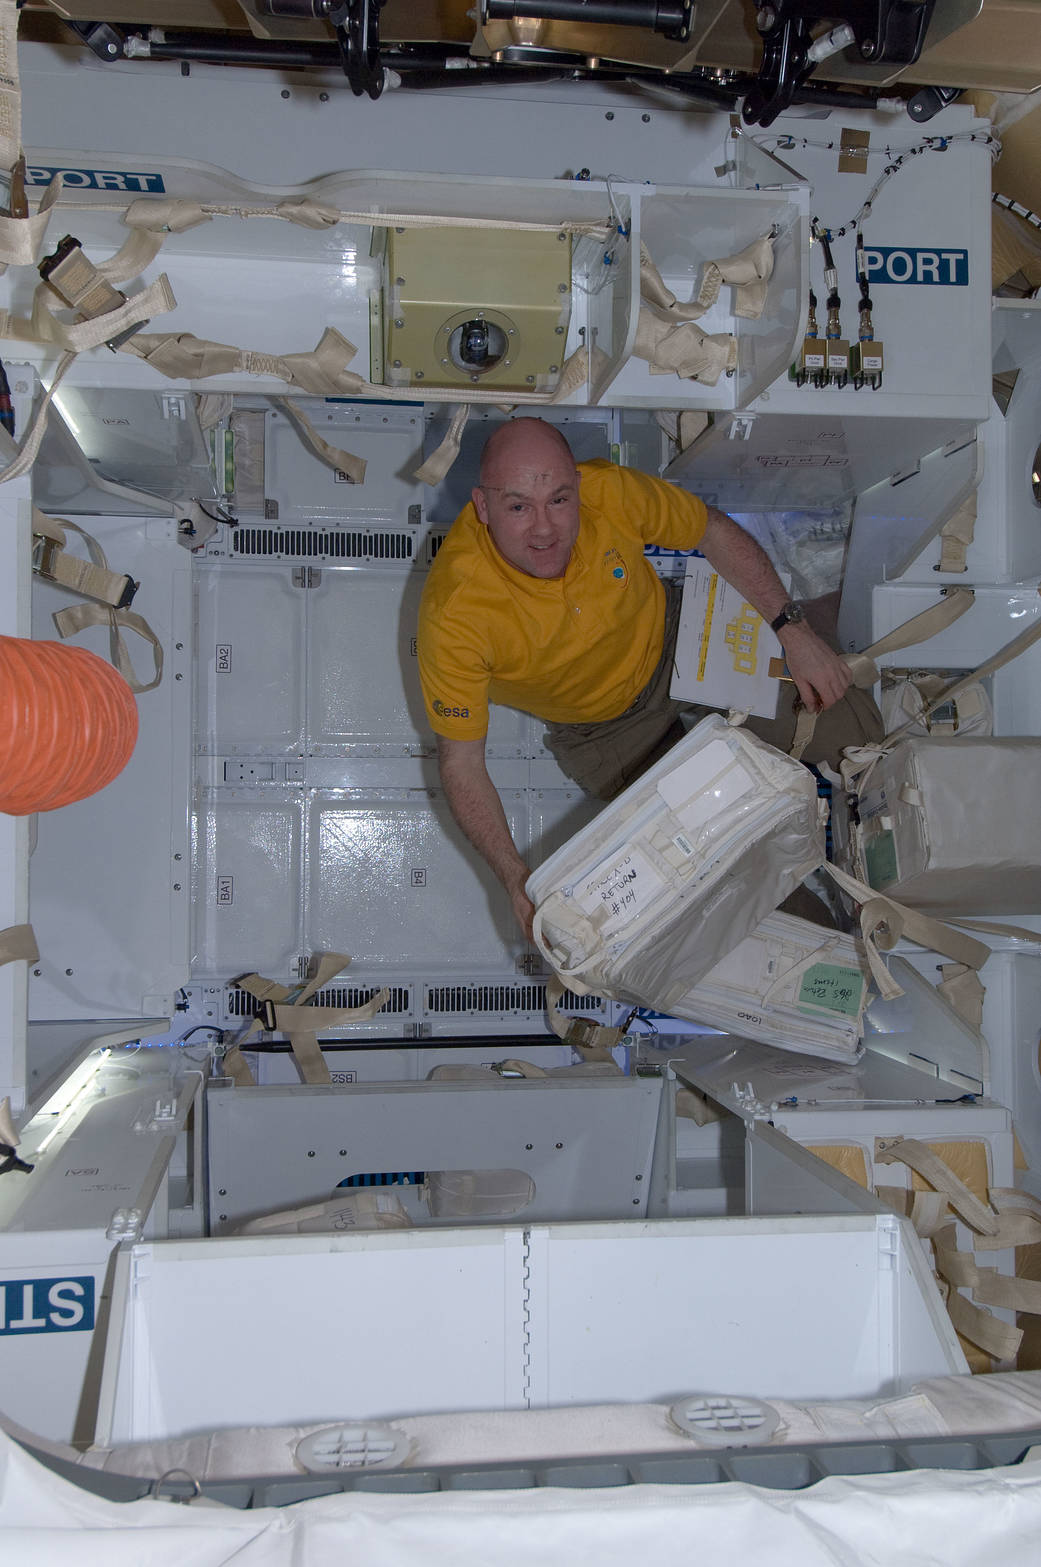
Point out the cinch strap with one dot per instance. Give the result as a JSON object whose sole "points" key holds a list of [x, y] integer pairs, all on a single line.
{"points": [[78, 616], [864, 670], [91, 577], [593, 1041], [298, 1021]]}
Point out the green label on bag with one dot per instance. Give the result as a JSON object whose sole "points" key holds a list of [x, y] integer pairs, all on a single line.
{"points": [[880, 859], [833, 987]]}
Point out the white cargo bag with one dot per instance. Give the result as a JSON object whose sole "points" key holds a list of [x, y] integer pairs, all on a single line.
{"points": [[790, 984], [948, 825], [680, 868]]}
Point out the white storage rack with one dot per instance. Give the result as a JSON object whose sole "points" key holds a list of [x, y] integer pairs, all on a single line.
{"points": [[267, 776]]}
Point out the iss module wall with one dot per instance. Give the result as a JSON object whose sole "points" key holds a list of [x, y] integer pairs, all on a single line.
{"points": [[274, 1049]]}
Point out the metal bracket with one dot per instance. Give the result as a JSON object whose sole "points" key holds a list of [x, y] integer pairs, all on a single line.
{"points": [[100, 38], [357, 27], [890, 31]]}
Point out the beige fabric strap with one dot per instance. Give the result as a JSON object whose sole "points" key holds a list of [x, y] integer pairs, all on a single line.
{"points": [[78, 616], [990, 1287], [919, 628], [21, 239], [864, 669], [174, 215], [525, 1068], [960, 1271], [235, 1065], [212, 407], [184, 357], [749, 272], [929, 1210], [334, 456], [263, 989], [17, 943], [961, 987], [76, 337], [8, 1130], [31, 444], [299, 1022], [918, 1157], [998, 1289], [10, 90], [994, 1337], [1020, 1220], [137, 252], [434, 469], [594, 1041], [957, 534], [322, 371], [92, 577], [682, 348], [883, 921], [998, 660]]}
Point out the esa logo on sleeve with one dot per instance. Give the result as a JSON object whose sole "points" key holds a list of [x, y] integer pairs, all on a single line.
{"points": [[444, 711]]}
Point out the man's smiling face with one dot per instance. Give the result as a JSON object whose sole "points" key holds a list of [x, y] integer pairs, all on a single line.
{"points": [[528, 498]]}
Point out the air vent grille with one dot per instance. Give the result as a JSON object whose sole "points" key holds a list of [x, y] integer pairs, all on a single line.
{"points": [[502, 998], [434, 543], [320, 543], [241, 1004]]}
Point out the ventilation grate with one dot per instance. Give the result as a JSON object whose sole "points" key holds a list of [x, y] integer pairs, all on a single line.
{"points": [[240, 1003], [502, 998], [434, 543], [356, 996], [321, 543]]}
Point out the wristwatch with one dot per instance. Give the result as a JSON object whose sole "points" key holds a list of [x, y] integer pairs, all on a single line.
{"points": [[791, 615]]}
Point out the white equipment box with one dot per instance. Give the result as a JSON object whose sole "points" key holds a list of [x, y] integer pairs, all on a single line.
{"points": [[515, 1318]]}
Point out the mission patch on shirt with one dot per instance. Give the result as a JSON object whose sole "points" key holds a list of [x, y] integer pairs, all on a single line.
{"points": [[571, 649]]}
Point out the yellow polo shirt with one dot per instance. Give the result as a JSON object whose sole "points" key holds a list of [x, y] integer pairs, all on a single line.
{"points": [[573, 649]]}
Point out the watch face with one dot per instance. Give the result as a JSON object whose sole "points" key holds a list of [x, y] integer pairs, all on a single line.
{"points": [[790, 615]]}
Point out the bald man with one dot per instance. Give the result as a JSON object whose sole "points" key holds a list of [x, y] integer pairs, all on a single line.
{"points": [[542, 598]]}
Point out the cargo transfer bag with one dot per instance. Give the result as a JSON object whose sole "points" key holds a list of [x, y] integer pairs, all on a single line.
{"points": [[789, 984], [672, 875], [948, 825]]}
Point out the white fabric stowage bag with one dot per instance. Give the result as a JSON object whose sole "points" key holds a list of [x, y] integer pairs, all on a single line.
{"points": [[789, 984], [951, 826], [672, 875]]}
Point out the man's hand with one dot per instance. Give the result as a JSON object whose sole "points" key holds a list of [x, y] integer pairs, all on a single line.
{"points": [[821, 676], [524, 911]]}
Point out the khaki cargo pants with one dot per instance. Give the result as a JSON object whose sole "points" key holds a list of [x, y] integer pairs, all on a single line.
{"points": [[604, 758]]}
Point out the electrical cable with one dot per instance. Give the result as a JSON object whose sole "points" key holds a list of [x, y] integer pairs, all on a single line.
{"points": [[899, 158]]}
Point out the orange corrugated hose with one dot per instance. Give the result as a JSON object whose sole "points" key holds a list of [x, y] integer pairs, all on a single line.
{"points": [[68, 723]]}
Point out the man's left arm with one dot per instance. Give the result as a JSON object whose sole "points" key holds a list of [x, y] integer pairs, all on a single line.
{"points": [[820, 675]]}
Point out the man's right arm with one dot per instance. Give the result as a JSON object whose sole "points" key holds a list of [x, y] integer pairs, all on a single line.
{"points": [[476, 806]]}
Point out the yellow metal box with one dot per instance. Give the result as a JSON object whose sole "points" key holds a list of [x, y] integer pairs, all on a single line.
{"points": [[475, 307]]}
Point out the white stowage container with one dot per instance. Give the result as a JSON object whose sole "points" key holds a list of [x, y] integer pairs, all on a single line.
{"points": [[790, 984], [950, 825], [672, 875], [389, 1324]]}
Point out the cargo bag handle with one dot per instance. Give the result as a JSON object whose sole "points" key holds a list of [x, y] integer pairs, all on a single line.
{"points": [[927, 623]]}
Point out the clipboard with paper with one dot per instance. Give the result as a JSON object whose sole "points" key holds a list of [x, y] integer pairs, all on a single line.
{"points": [[726, 654]]}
